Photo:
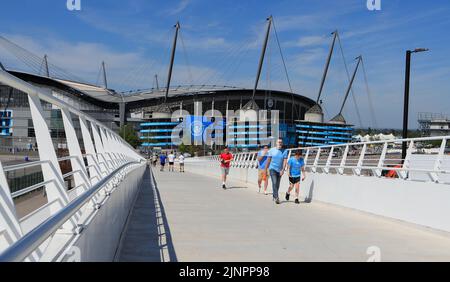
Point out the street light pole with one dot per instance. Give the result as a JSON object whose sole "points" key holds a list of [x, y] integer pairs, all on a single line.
{"points": [[406, 97]]}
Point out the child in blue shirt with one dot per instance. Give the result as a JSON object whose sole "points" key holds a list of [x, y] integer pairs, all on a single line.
{"points": [[296, 168]]}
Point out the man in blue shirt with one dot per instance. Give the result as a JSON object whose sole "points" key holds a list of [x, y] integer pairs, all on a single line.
{"points": [[162, 160], [296, 169], [262, 172], [276, 164]]}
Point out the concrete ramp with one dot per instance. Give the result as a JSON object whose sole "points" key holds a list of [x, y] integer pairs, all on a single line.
{"points": [[207, 223]]}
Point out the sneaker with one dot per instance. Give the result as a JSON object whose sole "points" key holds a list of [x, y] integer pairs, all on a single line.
{"points": [[287, 196], [297, 201], [223, 186], [277, 201]]}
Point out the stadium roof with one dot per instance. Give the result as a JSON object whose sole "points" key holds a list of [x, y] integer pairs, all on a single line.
{"points": [[97, 94]]}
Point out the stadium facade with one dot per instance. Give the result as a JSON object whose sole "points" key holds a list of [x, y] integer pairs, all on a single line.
{"points": [[142, 110]]}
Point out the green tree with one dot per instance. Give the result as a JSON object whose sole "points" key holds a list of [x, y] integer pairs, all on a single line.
{"points": [[182, 148], [128, 133]]}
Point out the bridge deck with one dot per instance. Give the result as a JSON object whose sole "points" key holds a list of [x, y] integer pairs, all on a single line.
{"points": [[188, 217]]}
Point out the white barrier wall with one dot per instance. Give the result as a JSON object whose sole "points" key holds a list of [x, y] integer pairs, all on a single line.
{"points": [[100, 240], [423, 203]]}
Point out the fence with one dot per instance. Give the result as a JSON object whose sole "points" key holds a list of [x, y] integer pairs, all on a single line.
{"points": [[77, 188]]}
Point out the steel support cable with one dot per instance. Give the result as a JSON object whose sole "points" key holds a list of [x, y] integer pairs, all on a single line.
{"points": [[232, 64], [228, 62], [26, 59], [234, 60], [185, 55], [238, 65], [369, 96], [208, 73], [285, 70], [224, 66], [132, 78], [33, 61], [348, 77], [132, 75], [282, 56]]}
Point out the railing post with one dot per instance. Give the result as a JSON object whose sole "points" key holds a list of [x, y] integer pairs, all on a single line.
{"points": [[379, 171], [80, 179], [330, 156], [438, 162], [91, 154], [107, 147], [51, 169], [316, 160], [10, 228], [306, 157], [99, 147], [343, 160], [357, 170], [254, 160], [404, 173]]}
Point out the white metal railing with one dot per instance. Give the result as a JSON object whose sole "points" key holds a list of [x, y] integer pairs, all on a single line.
{"points": [[427, 159], [96, 175]]}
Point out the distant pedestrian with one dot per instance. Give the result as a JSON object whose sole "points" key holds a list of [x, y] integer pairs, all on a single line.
{"points": [[154, 160], [181, 161], [171, 158], [262, 172], [276, 164], [296, 169], [162, 160], [225, 161]]}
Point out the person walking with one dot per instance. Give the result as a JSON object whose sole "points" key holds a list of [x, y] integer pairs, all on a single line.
{"points": [[296, 169], [262, 172], [154, 160], [276, 164], [225, 161], [171, 158], [181, 161], [162, 160]]}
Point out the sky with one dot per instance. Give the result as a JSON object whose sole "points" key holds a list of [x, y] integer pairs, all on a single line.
{"points": [[220, 43]]}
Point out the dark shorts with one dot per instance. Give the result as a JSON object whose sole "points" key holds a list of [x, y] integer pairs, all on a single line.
{"points": [[294, 180], [163, 164], [170, 163]]}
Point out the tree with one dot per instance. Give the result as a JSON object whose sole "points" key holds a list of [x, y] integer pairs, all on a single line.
{"points": [[128, 133], [182, 148]]}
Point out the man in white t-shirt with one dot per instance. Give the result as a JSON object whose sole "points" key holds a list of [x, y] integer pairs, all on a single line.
{"points": [[181, 160], [171, 158]]}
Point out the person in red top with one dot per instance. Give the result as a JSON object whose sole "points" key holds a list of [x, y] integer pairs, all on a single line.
{"points": [[225, 160]]}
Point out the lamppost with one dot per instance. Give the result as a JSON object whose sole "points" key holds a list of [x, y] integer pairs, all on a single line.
{"points": [[406, 96]]}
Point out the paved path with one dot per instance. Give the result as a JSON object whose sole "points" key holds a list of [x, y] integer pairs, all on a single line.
{"points": [[206, 223]]}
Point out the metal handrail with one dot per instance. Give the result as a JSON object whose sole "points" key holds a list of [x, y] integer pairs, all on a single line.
{"points": [[325, 158], [22, 248]]}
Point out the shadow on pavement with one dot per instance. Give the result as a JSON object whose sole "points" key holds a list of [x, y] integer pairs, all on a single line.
{"points": [[147, 238]]}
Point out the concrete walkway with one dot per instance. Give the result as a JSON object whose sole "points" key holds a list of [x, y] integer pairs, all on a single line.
{"points": [[207, 223]]}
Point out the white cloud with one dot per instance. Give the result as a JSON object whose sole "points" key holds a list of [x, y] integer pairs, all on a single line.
{"points": [[312, 41], [180, 8]]}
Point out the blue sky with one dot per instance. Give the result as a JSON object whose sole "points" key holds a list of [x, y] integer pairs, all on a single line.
{"points": [[221, 42]]}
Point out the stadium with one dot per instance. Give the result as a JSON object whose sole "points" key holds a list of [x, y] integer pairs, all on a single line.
{"points": [[142, 110], [154, 113]]}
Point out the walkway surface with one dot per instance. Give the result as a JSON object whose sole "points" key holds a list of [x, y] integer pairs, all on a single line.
{"points": [[199, 221]]}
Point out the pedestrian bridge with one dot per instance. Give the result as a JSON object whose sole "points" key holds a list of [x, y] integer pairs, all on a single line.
{"points": [[359, 202]]}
